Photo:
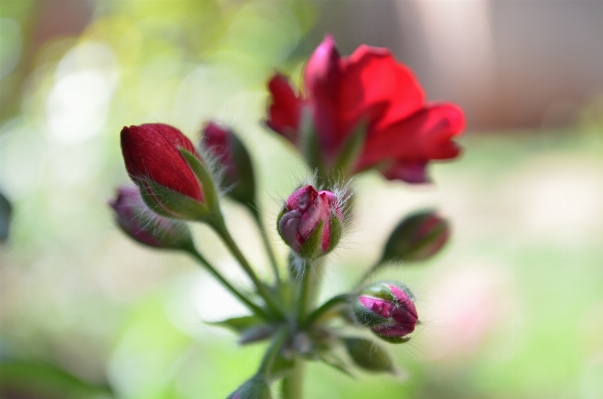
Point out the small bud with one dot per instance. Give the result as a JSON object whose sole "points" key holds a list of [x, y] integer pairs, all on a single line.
{"points": [[224, 145], [154, 161], [388, 309], [416, 238], [255, 388], [138, 221], [310, 222]]}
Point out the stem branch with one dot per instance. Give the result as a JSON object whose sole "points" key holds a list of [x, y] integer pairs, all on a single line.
{"points": [[222, 231], [252, 306]]}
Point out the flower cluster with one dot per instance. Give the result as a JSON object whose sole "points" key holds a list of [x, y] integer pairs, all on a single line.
{"points": [[365, 111]]}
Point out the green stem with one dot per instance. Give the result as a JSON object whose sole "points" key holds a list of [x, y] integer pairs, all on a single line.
{"points": [[267, 245], [293, 383], [304, 294], [222, 231], [327, 307], [252, 306], [272, 352], [368, 273]]}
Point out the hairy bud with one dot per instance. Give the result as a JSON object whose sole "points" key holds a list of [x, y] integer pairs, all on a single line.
{"points": [[154, 161], [311, 222], [388, 309], [225, 146], [418, 237], [138, 221]]}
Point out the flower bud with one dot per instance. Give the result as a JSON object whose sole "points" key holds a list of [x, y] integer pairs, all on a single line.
{"points": [[224, 145], [255, 388], [310, 222], [154, 161], [388, 309], [418, 237], [144, 226]]}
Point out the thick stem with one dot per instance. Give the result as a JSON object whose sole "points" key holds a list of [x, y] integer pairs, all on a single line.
{"points": [[305, 294], [252, 306], [293, 383], [272, 352], [328, 307], [267, 245], [222, 231]]}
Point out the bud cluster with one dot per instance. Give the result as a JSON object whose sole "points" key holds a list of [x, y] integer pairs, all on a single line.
{"points": [[335, 125]]}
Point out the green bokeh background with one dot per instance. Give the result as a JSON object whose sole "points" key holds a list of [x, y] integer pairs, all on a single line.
{"points": [[513, 308]]}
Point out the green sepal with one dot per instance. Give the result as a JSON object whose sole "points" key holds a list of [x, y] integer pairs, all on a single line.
{"points": [[243, 190], [393, 340], [312, 248], [336, 231], [200, 171], [402, 244], [170, 203], [365, 316], [254, 388], [351, 150], [368, 355]]}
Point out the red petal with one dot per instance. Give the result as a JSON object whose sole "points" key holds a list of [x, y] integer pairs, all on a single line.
{"points": [[322, 78], [151, 152], [285, 108], [372, 77], [424, 136]]}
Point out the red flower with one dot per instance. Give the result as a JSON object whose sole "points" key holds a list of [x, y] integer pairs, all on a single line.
{"points": [[370, 87], [152, 156]]}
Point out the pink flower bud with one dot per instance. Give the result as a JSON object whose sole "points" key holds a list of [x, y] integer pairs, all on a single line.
{"points": [[154, 162], [310, 222], [388, 309], [222, 144], [144, 226], [417, 237]]}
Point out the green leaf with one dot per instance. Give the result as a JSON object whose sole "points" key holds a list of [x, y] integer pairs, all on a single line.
{"points": [[34, 380], [337, 364], [238, 324], [256, 334], [368, 355]]}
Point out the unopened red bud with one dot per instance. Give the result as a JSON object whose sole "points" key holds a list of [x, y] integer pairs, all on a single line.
{"points": [[388, 309], [153, 158], [144, 226], [418, 237], [311, 222], [233, 157]]}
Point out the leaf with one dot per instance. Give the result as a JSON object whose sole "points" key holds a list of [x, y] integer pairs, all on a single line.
{"points": [[36, 380], [238, 324], [337, 364], [368, 355], [256, 334]]}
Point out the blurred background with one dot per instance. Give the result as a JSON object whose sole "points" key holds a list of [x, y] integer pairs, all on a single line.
{"points": [[513, 308]]}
